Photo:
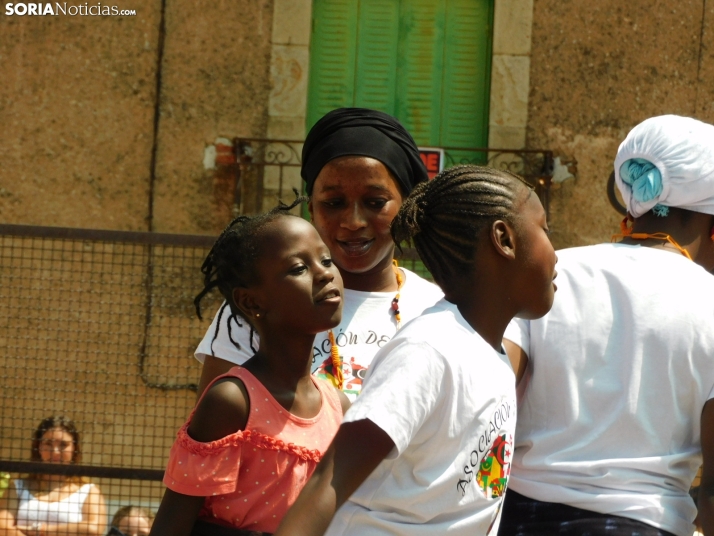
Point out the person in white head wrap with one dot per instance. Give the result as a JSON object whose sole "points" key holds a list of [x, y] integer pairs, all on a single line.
{"points": [[617, 408], [667, 161]]}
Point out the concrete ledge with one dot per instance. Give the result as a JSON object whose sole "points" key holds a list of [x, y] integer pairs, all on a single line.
{"points": [[510, 77], [512, 27], [286, 127], [510, 73], [292, 22], [502, 137], [288, 80]]}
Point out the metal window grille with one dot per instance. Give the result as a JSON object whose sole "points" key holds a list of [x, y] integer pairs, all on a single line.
{"points": [[267, 169]]}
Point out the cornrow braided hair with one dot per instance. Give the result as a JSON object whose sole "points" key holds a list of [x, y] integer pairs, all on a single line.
{"points": [[231, 262], [444, 217]]}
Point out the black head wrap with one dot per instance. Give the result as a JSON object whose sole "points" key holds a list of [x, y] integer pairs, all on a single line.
{"points": [[362, 132]]}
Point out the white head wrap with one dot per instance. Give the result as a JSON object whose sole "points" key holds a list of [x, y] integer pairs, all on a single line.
{"points": [[667, 161]]}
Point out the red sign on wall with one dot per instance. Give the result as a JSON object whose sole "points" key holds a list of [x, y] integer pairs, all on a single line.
{"points": [[433, 158]]}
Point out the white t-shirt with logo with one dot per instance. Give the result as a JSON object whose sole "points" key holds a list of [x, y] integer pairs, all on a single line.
{"points": [[447, 400], [368, 323], [621, 369]]}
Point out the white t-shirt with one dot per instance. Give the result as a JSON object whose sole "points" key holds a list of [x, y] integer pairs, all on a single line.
{"points": [[368, 323], [621, 369], [447, 400]]}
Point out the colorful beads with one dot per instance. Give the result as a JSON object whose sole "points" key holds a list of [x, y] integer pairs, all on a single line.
{"points": [[395, 301]]}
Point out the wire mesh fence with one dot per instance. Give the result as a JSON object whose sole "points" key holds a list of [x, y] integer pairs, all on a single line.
{"points": [[99, 327]]}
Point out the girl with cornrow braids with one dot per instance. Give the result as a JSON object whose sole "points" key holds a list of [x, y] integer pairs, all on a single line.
{"points": [[426, 447], [259, 430], [358, 166]]}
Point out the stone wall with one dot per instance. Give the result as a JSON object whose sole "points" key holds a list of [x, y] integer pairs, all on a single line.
{"points": [[598, 69], [510, 71], [105, 333], [76, 114], [86, 142]]}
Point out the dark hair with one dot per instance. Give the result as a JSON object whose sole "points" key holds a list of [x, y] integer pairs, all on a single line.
{"points": [[445, 216], [231, 261], [50, 423], [362, 132], [125, 511]]}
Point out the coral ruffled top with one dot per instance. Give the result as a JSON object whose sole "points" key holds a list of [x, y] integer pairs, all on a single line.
{"points": [[251, 478]]}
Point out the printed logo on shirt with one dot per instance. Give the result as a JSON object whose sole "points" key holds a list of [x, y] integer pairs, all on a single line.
{"points": [[495, 468], [352, 375], [489, 463], [322, 349]]}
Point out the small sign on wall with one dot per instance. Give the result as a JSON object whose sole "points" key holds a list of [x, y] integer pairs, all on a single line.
{"points": [[433, 158]]}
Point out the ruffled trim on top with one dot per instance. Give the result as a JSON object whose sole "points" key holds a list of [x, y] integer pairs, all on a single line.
{"points": [[256, 439]]}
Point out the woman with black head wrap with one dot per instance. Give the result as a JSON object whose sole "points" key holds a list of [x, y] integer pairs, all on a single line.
{"points": [[358, 166]]}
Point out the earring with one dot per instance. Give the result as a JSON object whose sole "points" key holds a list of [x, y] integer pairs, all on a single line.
{"points": [[257, 315], [711, 233]]}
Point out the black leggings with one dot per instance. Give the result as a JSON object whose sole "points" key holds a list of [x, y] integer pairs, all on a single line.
{"points": [[527, 517]]}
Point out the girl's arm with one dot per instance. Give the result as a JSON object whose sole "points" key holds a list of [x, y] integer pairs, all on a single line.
{"points": [[344, 401], [706, 490], [355, 452], [177, 514], [8, 511], [221, 412], [212, 368]]}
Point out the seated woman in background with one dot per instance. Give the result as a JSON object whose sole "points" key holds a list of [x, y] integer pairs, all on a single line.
{"points": [[43, 504], [131, 521]]}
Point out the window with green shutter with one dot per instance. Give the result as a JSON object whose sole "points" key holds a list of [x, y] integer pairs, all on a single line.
{"points": [[427, 62]]}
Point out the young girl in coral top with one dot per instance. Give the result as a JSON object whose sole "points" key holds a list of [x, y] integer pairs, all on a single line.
{"points": [[259, 430]]}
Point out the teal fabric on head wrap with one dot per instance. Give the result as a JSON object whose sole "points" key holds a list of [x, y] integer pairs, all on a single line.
{"points": [[645, 180], [643, 177]]}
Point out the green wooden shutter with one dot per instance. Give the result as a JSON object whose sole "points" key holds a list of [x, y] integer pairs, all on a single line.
{"points": [[332, 57], [377, 36], [421, 51], [428, 62], [467, 76]]}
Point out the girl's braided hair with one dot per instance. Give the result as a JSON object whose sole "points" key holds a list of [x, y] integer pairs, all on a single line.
{"points": [[231, 261], [444, 217]]}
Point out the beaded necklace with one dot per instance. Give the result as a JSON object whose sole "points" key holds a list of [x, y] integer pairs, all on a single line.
{"points": [[395, 301], [337, 377], [627, 233]]}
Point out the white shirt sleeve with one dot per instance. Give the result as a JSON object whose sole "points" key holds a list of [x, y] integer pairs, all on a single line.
{"points": [[518, 332], [401, 390], [227, 338]]}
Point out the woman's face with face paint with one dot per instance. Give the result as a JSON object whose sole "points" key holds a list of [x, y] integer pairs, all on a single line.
{"points": [[354, 200]]}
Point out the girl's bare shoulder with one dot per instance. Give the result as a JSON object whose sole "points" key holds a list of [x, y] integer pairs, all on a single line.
{"points": [[222, 411]]}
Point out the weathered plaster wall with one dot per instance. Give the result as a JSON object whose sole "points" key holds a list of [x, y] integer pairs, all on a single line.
{"points": [[215, 83], [78, 103], [598, 69], [77, 139], [76, 112]]}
